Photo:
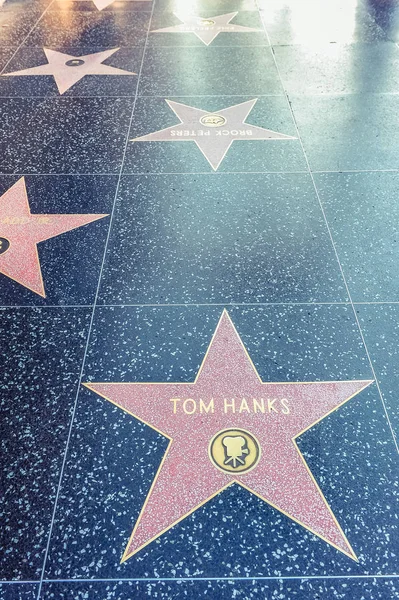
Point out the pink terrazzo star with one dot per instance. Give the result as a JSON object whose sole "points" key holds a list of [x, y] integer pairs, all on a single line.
{"points": [[228, 394], [213, 132], [68, 70], [207, 28], [101, 4], [20, 232]]}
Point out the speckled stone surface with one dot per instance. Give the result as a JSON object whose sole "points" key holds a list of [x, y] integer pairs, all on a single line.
{"points": [[18, 591], [190, 590], [137, 297], [362, 210], [16, 22], [386, 15], [40, 373], [225, 590], [90, 29], [349, 133], [75, 135], [272, 113], [271, 245], [128, 59], [339, 68], [222, 71], [380, 325], [5, 55]]}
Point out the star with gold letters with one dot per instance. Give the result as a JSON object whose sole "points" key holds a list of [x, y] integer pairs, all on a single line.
{"points": [[68, 70], [227, 427], [213, 132], [21, 231], [207, 28]]}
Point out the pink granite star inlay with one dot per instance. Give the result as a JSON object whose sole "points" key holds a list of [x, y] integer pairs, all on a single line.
{"points": [[213, 132], [20, 232], [68, 70], [207, 28], [229, 402]]}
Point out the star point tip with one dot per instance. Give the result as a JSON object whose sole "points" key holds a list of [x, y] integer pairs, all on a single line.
{"points": [[351, 554], [87, 385]]}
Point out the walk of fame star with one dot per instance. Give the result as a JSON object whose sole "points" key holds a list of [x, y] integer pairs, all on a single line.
{"points": [[229, 427], [212, 132], [101, 4], [68, 70], [207, 28], [20, 232]]}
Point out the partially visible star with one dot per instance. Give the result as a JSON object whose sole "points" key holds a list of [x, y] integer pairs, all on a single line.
{"points": [[228, 397], [20, 232], [213, 132], [68, 70], [207, 28], [101, 4]]}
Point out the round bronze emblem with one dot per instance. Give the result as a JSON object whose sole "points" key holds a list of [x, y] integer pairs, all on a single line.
{"points": [[234, 451], [4, 245], [75, 62], [212, 120], [206, 22]]}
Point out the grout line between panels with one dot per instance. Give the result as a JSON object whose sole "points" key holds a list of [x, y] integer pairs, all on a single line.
{"points": [[248, 579]]}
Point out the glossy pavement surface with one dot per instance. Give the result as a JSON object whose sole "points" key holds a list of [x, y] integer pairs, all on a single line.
{"points": [[296, 238]]}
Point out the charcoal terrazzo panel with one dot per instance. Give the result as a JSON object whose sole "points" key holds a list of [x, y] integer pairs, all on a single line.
{"points": [[16, 21], [5, 56], [351, 132], [82, 29], [219, 238], [218, 72], [380, 325], [372, 588], [113, 457], [75, 135], [189, 590], [339, 68], [70, 263], [40, 363], [18, 591], [127, 59], [363, 214], [153, 114]]}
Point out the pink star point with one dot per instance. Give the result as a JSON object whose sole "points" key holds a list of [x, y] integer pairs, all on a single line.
{"points": [[233, 396], [68, 70], [23, 230]]}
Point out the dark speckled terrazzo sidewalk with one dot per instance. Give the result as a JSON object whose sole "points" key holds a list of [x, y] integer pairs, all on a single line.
{"points": [[292, 228]]}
